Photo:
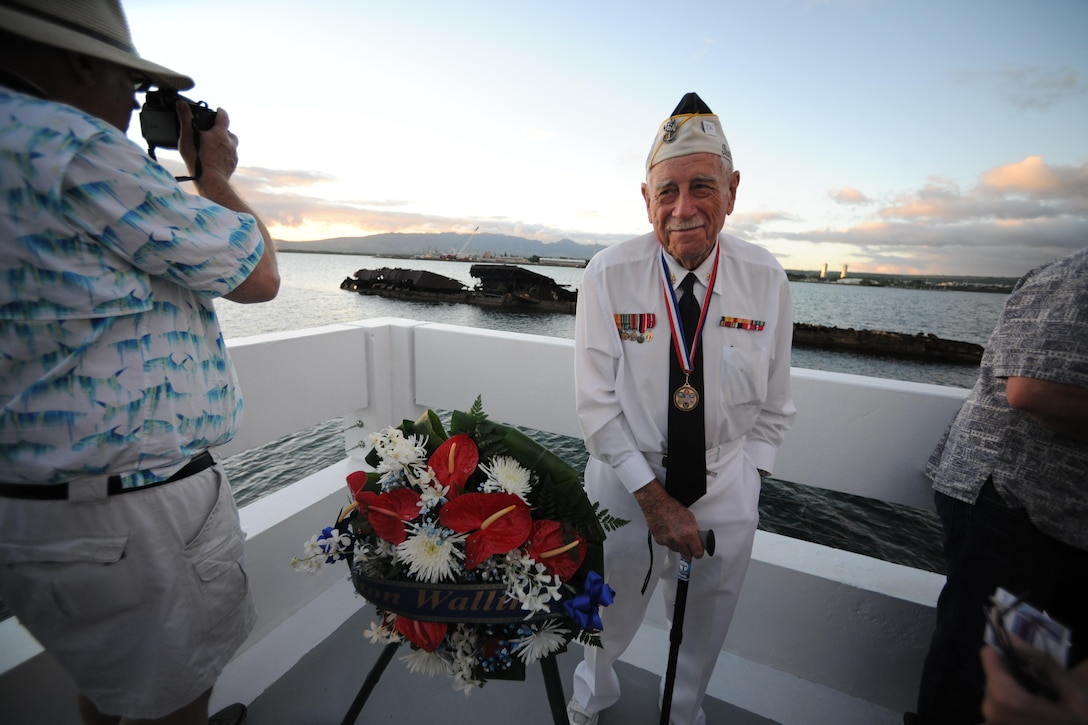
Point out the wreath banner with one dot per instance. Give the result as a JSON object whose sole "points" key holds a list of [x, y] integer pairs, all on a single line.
{"points": [[447, 601]]}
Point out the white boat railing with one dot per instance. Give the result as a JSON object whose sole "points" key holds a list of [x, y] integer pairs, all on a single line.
{"points": [[820, 636]]}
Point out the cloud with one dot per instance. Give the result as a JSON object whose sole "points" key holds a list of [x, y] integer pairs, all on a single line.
{"points": [[280, 178], [1027, 87], [848, 195], [761, 217], [1024, 190], [285, 201], [749, 225], [1034, 179], [1036, 88], [1017, 216]]}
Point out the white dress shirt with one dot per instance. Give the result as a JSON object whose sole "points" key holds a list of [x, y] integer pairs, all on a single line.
{"points": [[622, 382]]}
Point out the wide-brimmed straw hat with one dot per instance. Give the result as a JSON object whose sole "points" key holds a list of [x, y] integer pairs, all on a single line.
{"points": [[92, 27]]}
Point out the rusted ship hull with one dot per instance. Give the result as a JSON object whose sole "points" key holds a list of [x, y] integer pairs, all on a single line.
{"points": [[466, 297], [928, 348], [506, 287], [501, 287]]}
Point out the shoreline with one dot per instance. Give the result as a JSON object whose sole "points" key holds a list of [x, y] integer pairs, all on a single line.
{"points": [[507, 287], [935, 283]]}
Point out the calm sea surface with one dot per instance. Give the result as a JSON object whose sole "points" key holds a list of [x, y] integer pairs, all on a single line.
{"points": [[310, 297]]}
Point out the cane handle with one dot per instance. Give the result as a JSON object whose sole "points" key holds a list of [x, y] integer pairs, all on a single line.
{"points": [[707, 537]]}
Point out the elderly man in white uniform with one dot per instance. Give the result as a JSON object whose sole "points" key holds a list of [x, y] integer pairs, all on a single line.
{"points": [[628, 303]]}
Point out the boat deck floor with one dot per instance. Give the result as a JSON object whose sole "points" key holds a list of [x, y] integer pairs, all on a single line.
{"points": [[320, 688]]}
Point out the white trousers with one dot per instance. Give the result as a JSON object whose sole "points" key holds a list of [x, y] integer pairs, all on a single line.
{"points": [[731, 509]]}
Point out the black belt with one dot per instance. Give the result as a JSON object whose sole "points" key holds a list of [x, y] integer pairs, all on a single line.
{"points": [[59, 491]]}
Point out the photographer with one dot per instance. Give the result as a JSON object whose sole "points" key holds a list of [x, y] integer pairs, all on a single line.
{"points": [[120, 544]]}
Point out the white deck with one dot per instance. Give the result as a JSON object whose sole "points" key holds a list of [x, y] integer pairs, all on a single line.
{"points": [[821, 635]]}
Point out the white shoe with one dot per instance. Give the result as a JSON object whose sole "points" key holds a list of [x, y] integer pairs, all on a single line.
{"points": [[576, 715]]}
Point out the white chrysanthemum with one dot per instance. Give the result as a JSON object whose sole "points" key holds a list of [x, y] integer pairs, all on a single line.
{"points": [[431, 552], [548, 639], [504, 474], [427, 663]]}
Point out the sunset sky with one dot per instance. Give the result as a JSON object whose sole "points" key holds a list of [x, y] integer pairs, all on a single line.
{"points": [[929, 136]]}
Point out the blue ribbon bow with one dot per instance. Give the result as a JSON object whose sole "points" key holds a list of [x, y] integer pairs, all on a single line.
{"points": [[582, 608]]}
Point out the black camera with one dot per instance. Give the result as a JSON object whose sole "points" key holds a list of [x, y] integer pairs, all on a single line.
{"points": [[159, 122]]}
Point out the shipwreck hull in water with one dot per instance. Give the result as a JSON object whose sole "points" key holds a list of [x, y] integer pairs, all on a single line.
{"points": [[501, 286], [929, 348], [504, 286]]}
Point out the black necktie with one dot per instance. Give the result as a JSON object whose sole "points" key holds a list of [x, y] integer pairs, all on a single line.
{"points": [[685, 469]]}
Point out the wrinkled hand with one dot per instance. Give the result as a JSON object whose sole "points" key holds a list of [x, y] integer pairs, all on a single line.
{"points": [[1007, 703], [669, 521], [218, 147]]}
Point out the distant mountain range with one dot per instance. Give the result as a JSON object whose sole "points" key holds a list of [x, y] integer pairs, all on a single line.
{"points": [[498, 245]]}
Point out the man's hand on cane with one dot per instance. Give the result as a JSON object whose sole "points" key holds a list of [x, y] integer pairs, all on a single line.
{"points": [[669, 521]]}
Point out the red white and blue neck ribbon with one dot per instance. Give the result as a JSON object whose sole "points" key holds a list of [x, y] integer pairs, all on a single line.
{"points": [[685, 352]]}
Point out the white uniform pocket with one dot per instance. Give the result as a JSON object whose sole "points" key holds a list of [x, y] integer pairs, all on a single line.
{"points": [[744, 375]]}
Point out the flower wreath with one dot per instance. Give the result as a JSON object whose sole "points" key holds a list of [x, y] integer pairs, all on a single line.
{"points": [[480, 547]]}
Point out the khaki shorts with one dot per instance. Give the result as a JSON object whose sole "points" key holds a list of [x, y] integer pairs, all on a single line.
{"points": [[142, 597]]}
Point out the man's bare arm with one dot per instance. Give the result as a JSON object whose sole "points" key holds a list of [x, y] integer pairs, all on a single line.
{"points": [[1060, 407], [218, 160]]}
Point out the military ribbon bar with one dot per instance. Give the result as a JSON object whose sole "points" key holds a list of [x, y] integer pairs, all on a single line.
{"points": [[741, 323], [636, 325]]}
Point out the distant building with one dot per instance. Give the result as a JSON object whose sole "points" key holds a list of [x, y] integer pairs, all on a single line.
{"points": [[562, 262], [823, 272], [843, 275]]}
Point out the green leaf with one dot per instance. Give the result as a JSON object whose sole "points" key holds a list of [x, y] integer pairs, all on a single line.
{"points": [[607, 521], [428, 425]]}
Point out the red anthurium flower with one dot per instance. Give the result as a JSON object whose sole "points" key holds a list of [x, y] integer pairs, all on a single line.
{"points": [[427, 635], [559, 548], [499, 522], [454, 461], [387, 512], [356, 481]]}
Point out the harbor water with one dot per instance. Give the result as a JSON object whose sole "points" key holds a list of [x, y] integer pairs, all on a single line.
{"points": [[310, 297]]}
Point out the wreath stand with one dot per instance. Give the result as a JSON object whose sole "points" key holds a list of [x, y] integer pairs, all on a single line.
{"points": [[556, 699]]}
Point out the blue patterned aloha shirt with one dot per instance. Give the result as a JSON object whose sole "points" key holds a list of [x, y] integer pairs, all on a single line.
{"points": [[111, 357], [1042, 333]]}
